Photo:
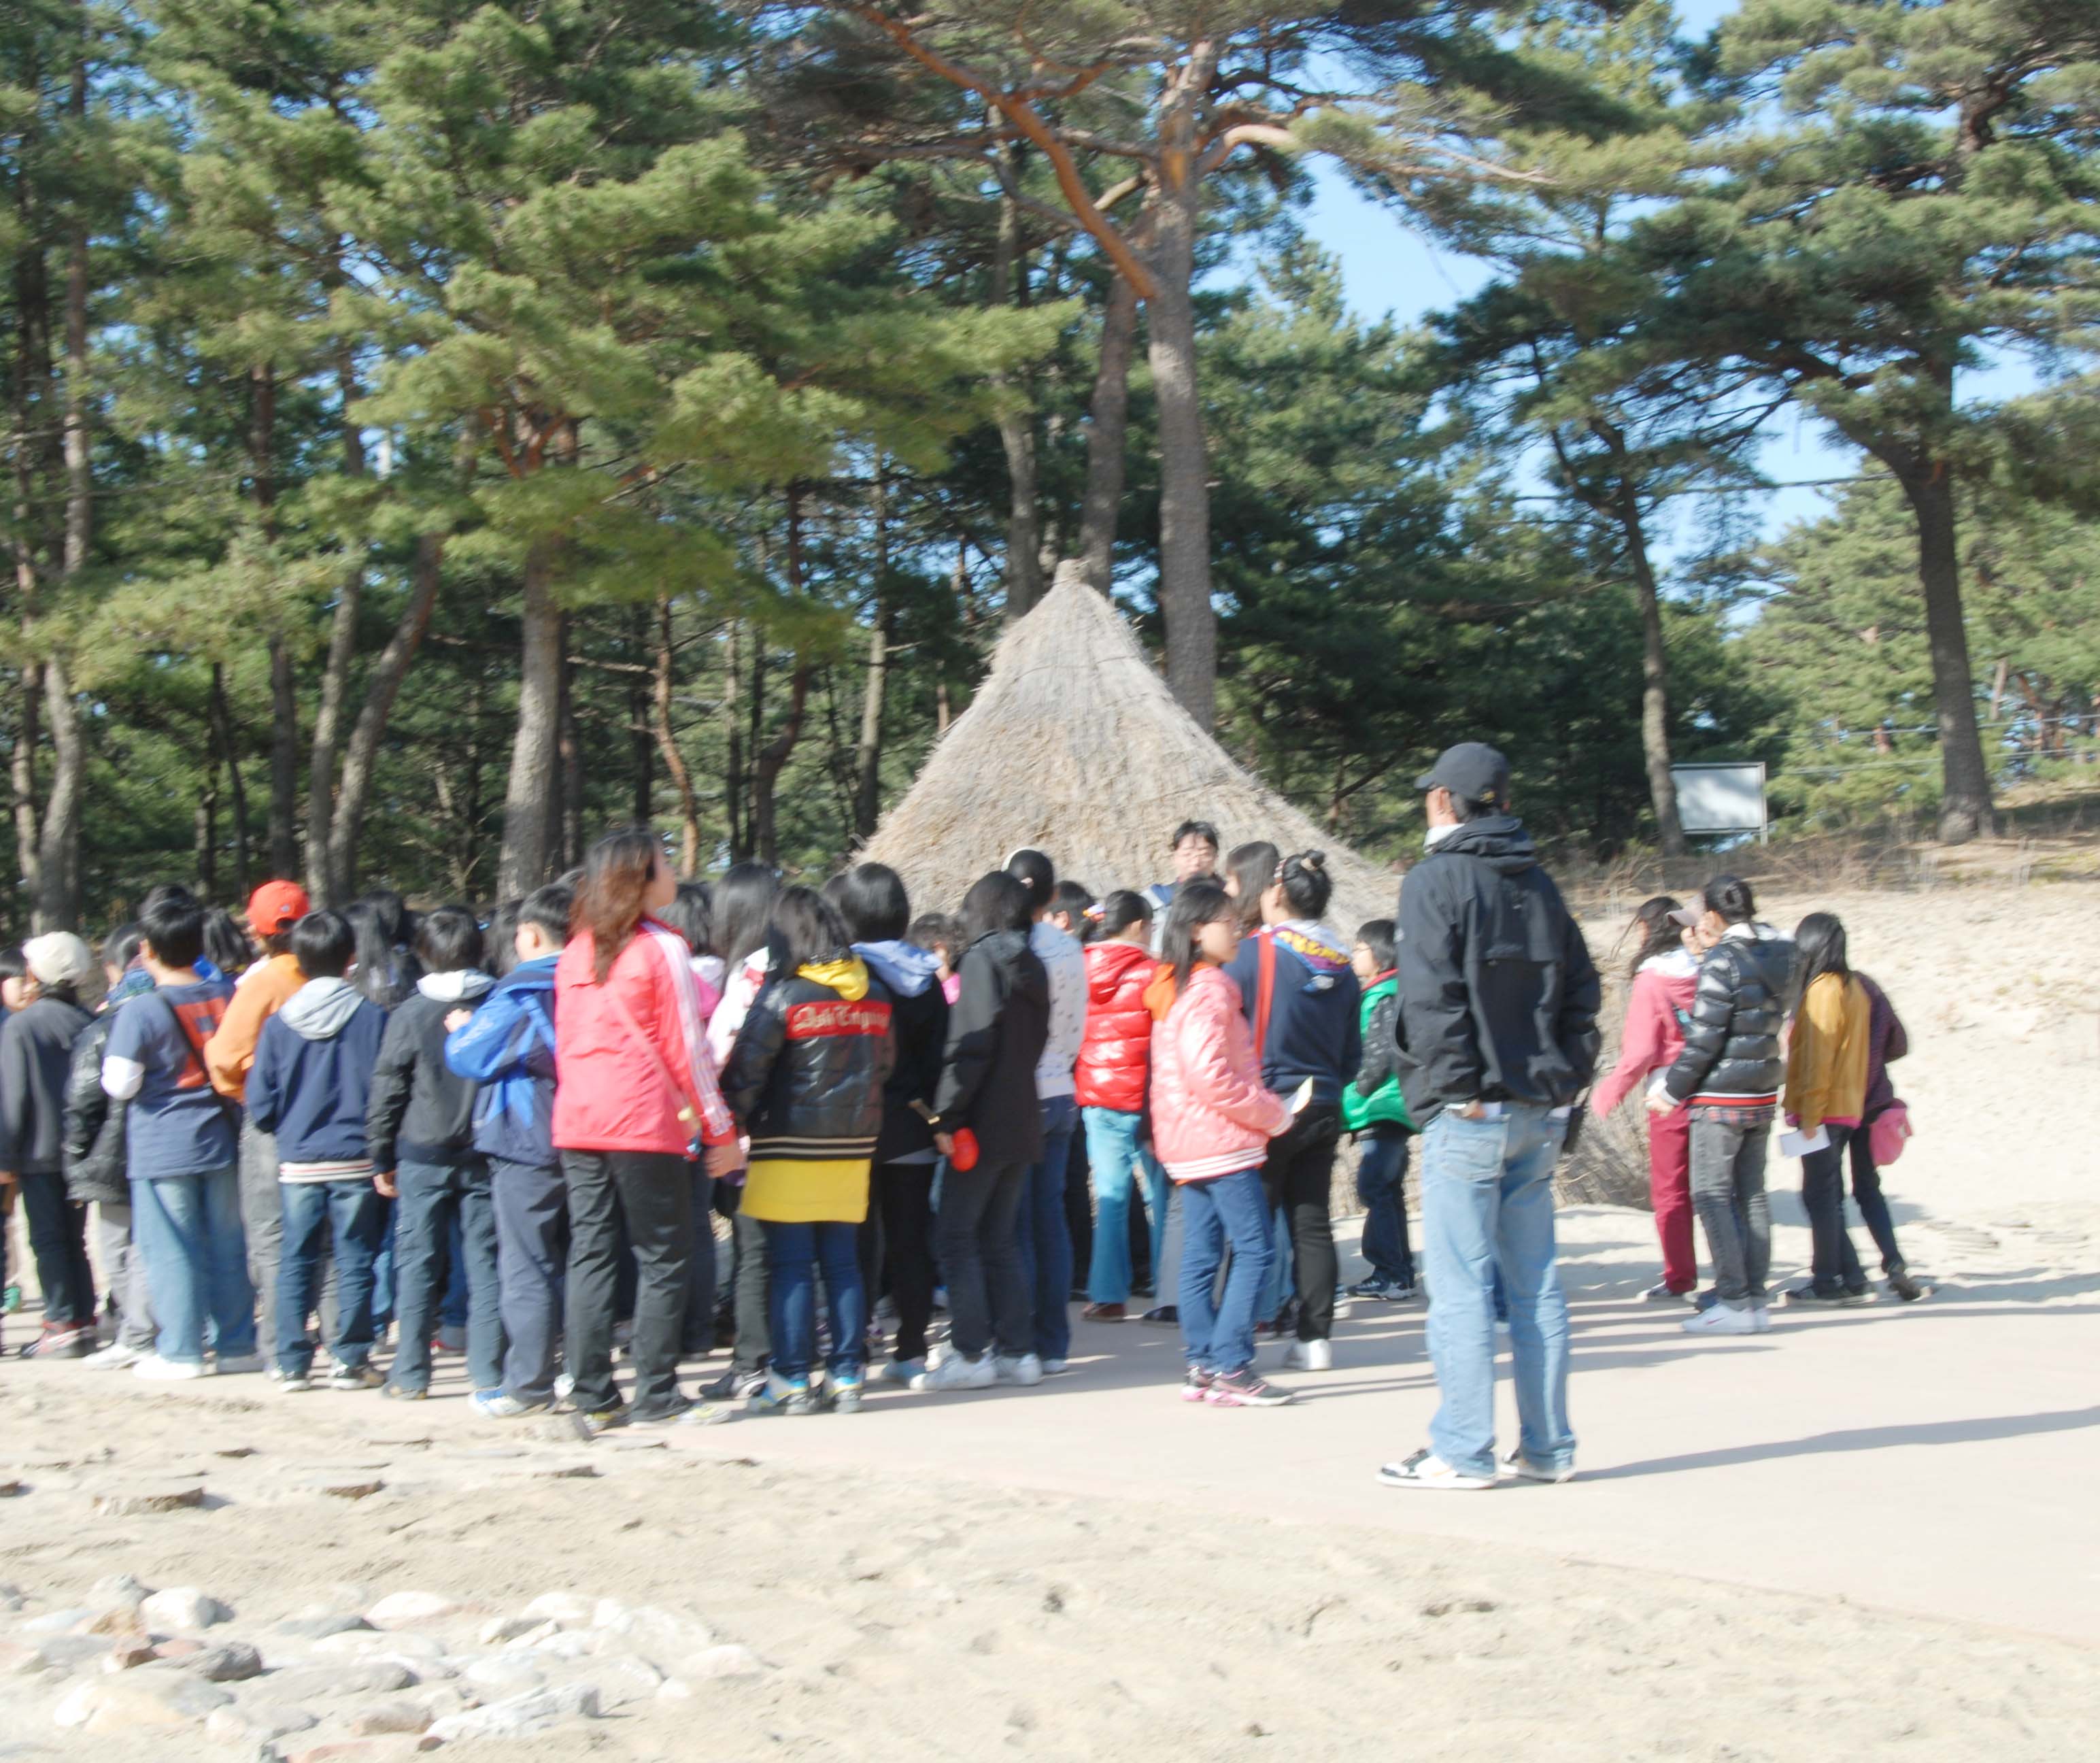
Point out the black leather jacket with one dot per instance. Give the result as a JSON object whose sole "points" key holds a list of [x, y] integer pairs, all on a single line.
{"points": [[94, 1168], [805, 1075], [1732, 1052]]}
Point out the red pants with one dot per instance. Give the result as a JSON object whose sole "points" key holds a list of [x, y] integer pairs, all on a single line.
{"points": [[1670, 1191]]}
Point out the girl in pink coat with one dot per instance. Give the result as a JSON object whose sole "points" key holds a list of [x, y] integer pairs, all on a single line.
{"points": [[1665, 974], [1211, 1123]]}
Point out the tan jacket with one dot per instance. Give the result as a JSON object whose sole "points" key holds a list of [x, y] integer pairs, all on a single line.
{"points": [[261, 994], [1826, 1058]]}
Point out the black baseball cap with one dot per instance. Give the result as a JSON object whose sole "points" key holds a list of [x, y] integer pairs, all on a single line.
{"points": [[1473, 770]]}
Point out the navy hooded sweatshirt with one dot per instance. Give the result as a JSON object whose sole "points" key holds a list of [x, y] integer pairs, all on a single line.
{"points": [[311, 1081], [1315, 1021]]}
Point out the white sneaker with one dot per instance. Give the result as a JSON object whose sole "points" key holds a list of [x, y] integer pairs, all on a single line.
{"points": [[1050, 1367], [1722, 1319], [565, 1386], [1309, 1356], [905, 1372], [229, 1365], [1425, 1468], [957, 1372], [116, 1357], [1760, 1317], [157, 1370], [1026, 1371]]}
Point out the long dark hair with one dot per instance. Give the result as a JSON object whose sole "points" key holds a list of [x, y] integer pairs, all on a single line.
{"points": [[806, 928], [1819, 943], [1196, 903], [1253, 865], [744, 908], [691, 913], [609, 903], [1659, 933], [994, 903], [378, 973], [1120, 910]]}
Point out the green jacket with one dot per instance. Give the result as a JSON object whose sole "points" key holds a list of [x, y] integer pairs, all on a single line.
{"points": [[1374, 1098]]}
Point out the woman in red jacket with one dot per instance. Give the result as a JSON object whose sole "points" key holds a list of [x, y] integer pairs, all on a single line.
{"points": [[634, 1088], [1115, 1059], [1665, 973]]}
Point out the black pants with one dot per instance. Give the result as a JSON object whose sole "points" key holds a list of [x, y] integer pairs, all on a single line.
{"points": [[1873, 1203], [532, 1264], [1835, 1263], [58, 1245], [1298, 1177], [901, 1209], [1079, 1210], [654, 1190], [697, 1337], [988, 1301]]}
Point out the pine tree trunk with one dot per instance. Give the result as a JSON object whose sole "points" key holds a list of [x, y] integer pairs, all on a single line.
{"points": [[1108, 428], [22, 776], [525, 862], [283, 687], [324, 879], [770, 760], [571, 828], [867, 758], [221, 729], [1016, 420], [1655, 676], [661, 681], [739, 846]]}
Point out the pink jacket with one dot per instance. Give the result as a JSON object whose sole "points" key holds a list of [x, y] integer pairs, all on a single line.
{"points": [[625, 1076], [1656, 1013], [1210, 1115]]}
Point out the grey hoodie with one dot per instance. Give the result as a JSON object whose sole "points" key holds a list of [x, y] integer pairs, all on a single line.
{"points": [[321, 1009]]}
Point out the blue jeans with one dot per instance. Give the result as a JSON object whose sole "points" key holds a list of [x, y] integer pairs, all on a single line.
{"points": [[530, 1202], [1487, 1209], [188, 1231], [792, 1301], [438, 1202], [1226, 1210], [1042, 1237], [1113, 1157], [353, 1213], [1381, 1187]]}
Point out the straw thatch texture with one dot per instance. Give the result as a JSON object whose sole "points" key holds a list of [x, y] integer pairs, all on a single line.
{"points": [[1074, 745]]}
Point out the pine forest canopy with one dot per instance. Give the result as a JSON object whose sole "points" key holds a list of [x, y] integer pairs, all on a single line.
{"points": [[438, 430]]}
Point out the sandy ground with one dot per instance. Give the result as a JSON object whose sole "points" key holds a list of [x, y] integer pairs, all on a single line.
{"points": [[1871, 1533]]}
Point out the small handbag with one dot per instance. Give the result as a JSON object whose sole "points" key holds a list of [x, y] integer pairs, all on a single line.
{"points": [[1888, 1133]]}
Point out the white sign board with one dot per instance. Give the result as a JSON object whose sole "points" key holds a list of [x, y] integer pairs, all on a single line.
{"points": [[1721, 798]]}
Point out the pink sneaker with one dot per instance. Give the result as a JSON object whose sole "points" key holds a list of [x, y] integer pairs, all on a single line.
{"points": [[1243, 1388], [1196, 1384]]}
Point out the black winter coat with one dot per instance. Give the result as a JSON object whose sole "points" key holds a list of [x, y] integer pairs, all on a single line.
{"points": [[1499, 996], [36, 1057], [920, 1027], [95, 1167], [805, 1075], [419, 1110], [1731, 1055], [996, 1031]]}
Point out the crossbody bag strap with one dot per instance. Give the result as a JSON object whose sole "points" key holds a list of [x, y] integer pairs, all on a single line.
{"points": [[1264, 988]]}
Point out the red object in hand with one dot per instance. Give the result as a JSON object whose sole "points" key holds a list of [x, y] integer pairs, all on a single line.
{"points": [[964, 1156]]}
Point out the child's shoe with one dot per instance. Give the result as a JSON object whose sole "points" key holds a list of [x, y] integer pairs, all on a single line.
{"points": [[783, 1395], [847, 1387], [356, 1377]]}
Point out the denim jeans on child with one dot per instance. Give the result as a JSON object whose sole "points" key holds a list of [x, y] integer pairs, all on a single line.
{"points": [[531, 1203], [58, 1245], [1115, 1157], [800, 1252], [352, 1213], [1728, 1193], [1228, 1211], [1487, 1207], [188, 1228], [1381, 1187], [1042, 1236], [1834, 1263], [433, 1198]]}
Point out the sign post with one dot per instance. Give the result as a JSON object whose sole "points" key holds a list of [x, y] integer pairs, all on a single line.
{"points": [[1726, 796]]}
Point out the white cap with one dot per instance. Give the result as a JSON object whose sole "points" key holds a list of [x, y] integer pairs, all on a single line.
{"points": [[58, 958]]}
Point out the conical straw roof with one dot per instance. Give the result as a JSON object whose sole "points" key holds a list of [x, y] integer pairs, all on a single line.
{"points": [[1075, 745]]}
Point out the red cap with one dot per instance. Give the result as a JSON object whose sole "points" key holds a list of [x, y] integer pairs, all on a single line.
{"points": [[276, 906]]}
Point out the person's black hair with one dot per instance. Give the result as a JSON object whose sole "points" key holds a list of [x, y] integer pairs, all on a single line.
{"points": [[393, 912], [173, 922], [1074, 898], [872, 899], [996, 901], [548, 908], [120, 949], [1199, 828], [449, 940], [938, 932], [744, 908], [1196, 903], [13, 964], [499, 939], [226, 944], [691, 913], [1464, 809], [1122, 909], [1728, 897], [1306, 885], [1036, 873], [1818, 943], [1253, 866], [806, 928], [1377, 935], [379, 971], [1659, 933], [323, 943]]}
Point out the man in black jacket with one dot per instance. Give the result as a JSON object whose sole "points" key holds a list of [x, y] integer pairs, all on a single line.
{"points": [[1499, 1038]]}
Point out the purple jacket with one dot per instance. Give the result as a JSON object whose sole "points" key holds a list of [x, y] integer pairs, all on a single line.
{"points": [[1886, 1040]]}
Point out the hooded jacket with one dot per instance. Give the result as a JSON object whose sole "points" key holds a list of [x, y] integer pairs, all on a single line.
{"points": [[1115, 1057], [311, 1081], [1314, 1025], [1499, 996], [96, 1169], [1373, 1098], [507, 1048], [1658, 1010], [1211, 1115], [421, 1111], [36, 1058], [996, 1031], [919, 1034], [1731, 1056]]}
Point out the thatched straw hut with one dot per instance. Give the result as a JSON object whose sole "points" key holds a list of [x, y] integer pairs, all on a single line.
{"points": [[1075, 744]]}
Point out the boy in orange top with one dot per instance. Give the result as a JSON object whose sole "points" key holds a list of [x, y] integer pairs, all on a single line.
{"points": [[263, 991]]}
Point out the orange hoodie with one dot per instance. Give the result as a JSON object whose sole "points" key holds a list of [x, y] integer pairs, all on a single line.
{"points": [[262, 992]]}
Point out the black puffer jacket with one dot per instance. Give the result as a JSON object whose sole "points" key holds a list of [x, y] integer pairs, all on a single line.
{"points": [[1731, 1056], [94, 1168], [420, 1110], [1499, 996], [996, 1031], [805, 1075]]}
